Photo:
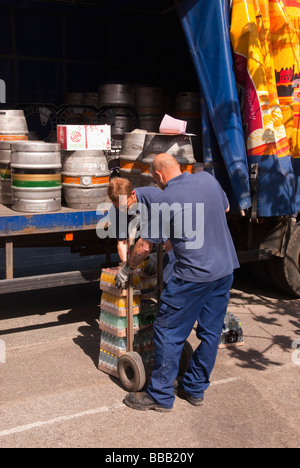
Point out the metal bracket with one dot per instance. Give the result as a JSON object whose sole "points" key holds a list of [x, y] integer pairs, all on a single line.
{"points": [[254, 177]]}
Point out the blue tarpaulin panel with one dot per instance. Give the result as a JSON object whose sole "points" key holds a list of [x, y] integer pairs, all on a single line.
{"points": [[206, 25]]}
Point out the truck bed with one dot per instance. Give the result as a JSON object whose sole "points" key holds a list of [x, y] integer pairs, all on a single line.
{"points": [[21, 230], [13, 223]]}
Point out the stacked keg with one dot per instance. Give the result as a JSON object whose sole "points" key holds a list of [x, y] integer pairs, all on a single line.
{"points": [[149, 103], [187, 107], [5, 173], [31, 177], [116, 101], [13, 125], [85, 178], [90, 99], [131, 166], [140, 149], [42, 122], [36, 176], [178, 146], [81, 99], [73, 99], [78, 115]]}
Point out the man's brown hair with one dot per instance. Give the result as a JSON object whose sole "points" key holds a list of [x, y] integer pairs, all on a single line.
{"points": [[119, 187]]}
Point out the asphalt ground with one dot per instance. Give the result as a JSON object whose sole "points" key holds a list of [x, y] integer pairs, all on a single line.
{"points": [[53, 396]]}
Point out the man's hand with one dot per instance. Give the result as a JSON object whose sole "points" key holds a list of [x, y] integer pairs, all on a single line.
{"points": [[122, 276]]}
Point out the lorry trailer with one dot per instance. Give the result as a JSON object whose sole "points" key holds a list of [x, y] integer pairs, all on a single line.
{"points": [[240, 57]]}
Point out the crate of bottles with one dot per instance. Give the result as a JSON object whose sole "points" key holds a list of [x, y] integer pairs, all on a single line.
{"points": [[107, 282], [113, 342], [113, 319], [140, 282], [108, 363], [117, 325], [112, 348], [232, 333], [143, 343], [117, 305]]}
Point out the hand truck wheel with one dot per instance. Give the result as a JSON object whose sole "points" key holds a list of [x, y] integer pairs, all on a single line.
{"points": [[132, 372]]}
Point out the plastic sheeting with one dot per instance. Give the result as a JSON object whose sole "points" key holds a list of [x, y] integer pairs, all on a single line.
{"points": [[261, 79]]}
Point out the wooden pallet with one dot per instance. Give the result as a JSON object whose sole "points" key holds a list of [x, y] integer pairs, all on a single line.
{"points": [[231, 345]]}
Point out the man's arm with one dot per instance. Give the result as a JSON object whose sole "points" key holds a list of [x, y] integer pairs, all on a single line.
{"points": [[142, 250], [122, 250]]}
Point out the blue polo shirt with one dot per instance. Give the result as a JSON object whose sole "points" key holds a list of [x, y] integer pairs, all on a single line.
{"points": [[141, 209], [191, 213]]}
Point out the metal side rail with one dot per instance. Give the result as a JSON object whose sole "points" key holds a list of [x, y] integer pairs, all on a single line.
{"points": [[51, 229], [66, 220], [249, 256], [54, 280]]}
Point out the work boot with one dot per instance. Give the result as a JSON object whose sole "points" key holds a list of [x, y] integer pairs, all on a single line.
{"points": [[143, 402], [181, 393]]}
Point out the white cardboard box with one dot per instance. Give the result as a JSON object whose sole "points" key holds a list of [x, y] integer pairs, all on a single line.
{"points": [[84, 137]]}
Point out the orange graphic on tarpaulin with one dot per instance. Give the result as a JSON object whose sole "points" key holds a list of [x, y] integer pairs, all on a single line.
{"points": [[269, 42], [265, 35]]}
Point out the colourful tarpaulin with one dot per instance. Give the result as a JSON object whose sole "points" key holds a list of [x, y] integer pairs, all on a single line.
{"points": [[265, 39], [251, 64]]}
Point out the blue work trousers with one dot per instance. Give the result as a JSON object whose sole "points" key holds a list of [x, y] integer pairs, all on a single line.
{"points": [[182, 304]]}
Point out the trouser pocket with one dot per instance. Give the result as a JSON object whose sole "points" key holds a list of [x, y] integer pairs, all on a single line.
{"points": [[171, 312]]}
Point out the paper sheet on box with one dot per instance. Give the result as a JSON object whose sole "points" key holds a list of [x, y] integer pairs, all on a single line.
{"points": [[172, 126]]}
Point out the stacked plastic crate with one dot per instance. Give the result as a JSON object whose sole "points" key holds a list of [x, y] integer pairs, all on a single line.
{"points": [[113, 321]]}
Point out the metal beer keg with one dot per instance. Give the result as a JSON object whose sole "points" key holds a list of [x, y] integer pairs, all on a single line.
{"points": [[5, 173], [187, 107], [13, 125], [36, 176], [178, 146], [85, 178], [115, 94], [149, 103], [130, 158]]}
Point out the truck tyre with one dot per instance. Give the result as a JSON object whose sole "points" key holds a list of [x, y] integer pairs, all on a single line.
{"points": [[132, 372], [285, 272], [261, 272]]}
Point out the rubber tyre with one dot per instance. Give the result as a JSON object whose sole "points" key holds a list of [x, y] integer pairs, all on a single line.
{"points": [[132, 372], [285, 272], [185, 359]]}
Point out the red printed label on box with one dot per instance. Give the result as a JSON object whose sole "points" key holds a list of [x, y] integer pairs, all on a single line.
{"points": [[84, 137]]}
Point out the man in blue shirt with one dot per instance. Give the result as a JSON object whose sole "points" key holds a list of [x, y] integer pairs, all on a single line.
{"points": [[191, 212]]}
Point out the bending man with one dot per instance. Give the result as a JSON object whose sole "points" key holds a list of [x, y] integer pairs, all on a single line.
{"points": [[191, 212]]}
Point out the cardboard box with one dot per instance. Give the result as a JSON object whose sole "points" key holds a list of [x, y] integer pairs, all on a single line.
{"points": [[84, 137]]}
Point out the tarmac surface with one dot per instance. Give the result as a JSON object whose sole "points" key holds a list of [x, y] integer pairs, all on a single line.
{"points": [[53, 396]]}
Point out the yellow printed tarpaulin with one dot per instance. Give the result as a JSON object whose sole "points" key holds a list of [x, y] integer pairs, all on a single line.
{"points": [[265, 36]]}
